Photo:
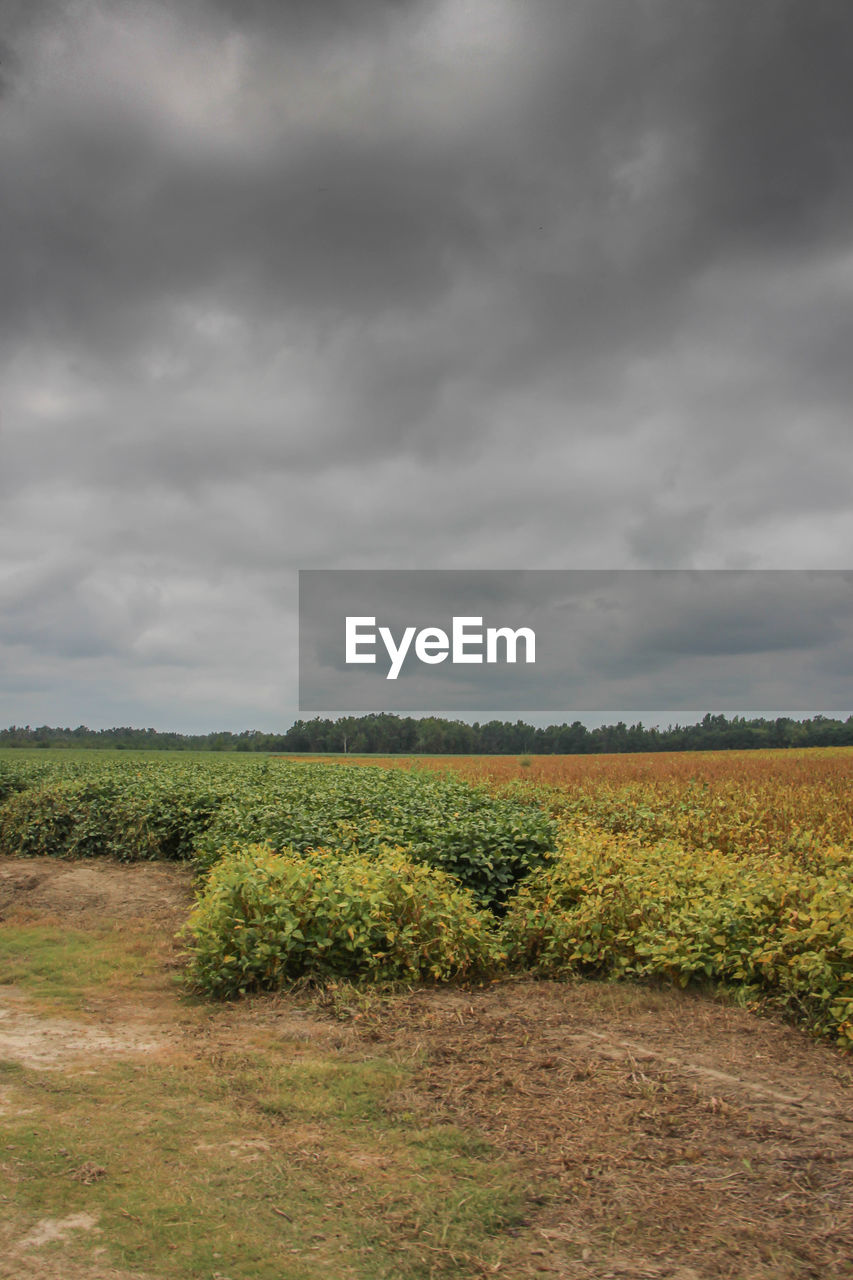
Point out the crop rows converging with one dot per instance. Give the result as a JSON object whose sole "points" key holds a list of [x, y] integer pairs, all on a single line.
{"points": [[711, 868]]}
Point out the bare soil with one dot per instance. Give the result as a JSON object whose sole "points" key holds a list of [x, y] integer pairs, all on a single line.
{"points": [[95, 892], [663, 1135]]}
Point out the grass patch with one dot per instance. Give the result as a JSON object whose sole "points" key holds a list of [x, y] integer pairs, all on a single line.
{"points": [[254, 1171], [253, 1156], [66, 967]]}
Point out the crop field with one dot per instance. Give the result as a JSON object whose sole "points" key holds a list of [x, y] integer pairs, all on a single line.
{"points": [[426, 1017], [731, 868]]}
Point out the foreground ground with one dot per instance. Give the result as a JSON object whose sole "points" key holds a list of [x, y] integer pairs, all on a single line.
{"points": [[522, 1129]]}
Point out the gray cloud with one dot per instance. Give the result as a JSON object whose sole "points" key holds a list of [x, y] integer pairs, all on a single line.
{"points": [[430, 284]]}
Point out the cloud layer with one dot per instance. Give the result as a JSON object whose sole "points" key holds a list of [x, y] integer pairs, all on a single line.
{"points": [[432, 285]]}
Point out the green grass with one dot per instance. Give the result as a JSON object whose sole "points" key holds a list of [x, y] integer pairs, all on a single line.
{"points": [[257, 1156], [67, 967], [252, 1171]]}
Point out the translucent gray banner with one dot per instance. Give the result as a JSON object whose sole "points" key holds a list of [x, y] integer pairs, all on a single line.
{"points": [[454, 642]]}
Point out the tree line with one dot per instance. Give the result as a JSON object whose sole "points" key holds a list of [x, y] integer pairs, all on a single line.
{"points": [[386, 734]]}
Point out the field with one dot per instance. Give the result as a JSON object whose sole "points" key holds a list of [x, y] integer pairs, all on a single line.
{"points": [[589, 1017]]}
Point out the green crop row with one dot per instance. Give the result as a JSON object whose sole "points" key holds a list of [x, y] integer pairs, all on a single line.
{"points": [[488, 843], [136, 808]]}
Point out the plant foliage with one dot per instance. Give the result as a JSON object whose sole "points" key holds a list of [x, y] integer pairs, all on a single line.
{"points": [[267, 918]]}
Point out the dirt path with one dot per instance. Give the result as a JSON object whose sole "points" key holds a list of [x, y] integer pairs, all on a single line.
{"points": [[664, 1137]]}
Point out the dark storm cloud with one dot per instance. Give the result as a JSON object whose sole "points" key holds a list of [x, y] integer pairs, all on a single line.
{"points": [[777, 149], [635, 147], [8, 62], [756, 100], [294, 19], [474, 283], [645, 133], [330, 225]]}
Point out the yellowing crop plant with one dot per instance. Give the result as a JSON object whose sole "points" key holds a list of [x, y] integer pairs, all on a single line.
{"points": [[733, 868]]}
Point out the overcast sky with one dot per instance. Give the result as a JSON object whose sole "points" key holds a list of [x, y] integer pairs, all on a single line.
{"points": [[400, 284]]}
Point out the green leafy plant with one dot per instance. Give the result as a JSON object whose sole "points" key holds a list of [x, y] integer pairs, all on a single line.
{"points": [[487, 842], [266, 918]]}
